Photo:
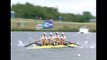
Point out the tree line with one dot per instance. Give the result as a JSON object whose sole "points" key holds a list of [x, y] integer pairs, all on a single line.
{"points": [[29, 10]]}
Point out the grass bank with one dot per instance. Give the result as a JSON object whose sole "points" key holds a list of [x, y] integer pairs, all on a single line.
{"points": [[30, 25]]}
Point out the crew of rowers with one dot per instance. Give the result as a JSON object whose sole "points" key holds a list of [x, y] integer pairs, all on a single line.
{"points": [[53, 40]]}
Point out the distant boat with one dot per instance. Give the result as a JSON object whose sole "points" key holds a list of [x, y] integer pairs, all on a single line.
{"points": [[83, 30]]}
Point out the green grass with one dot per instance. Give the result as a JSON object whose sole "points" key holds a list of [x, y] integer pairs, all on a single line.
{"points": [[30, 25]]}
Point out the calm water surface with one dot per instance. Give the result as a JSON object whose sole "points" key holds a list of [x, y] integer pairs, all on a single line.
{"points": [[87, 50]]}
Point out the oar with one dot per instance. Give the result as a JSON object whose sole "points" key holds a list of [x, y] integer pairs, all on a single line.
{"points": [[71, 46], [71, 43], [31, 43]]}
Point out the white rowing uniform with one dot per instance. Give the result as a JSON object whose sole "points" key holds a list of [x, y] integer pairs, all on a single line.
{"points": [[51, 38], [57, 38], [44, 40], [63, 37], [43, 37]]}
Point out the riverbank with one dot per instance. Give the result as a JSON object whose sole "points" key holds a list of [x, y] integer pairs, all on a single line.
{"points": [[30, 25]]}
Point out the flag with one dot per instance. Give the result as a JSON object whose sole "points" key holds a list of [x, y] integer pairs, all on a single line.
{"points": [[48, 24]]}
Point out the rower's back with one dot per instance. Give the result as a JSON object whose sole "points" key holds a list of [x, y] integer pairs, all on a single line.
{"points": [[57, 38], [44, 39], [63, 38]]}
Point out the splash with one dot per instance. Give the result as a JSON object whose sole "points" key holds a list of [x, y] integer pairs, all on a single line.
{"points": [[78, 55], [20, 43], [93, 46]]}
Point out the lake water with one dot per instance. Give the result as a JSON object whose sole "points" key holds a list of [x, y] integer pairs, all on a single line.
{"points": [[87, 50]]}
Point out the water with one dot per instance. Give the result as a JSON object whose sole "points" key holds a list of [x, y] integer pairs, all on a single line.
{"points": [[87, 50]]}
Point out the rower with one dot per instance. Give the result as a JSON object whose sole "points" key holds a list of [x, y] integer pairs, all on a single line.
{"points": [[44, 39], [51, 39], [63, 38], [57, 38]]}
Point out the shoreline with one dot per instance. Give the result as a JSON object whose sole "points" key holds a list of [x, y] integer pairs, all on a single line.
{"points": [[19, 24]]}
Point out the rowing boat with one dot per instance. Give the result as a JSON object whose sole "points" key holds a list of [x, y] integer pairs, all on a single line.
{"points": [[51, 46]]}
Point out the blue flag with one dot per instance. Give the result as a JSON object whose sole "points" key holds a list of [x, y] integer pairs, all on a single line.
{"points": [[48, 24]]}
